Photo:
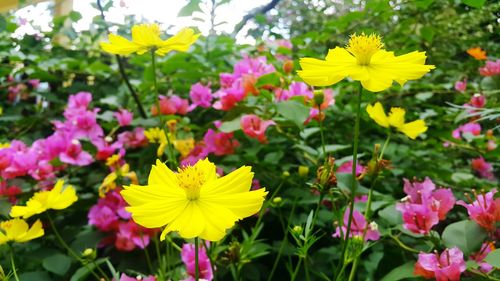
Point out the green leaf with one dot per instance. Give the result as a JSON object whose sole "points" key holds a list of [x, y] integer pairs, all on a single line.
{"points": [[493, 258], [401, 272], [82, 273], [460, 177], [293, 111], [391, 215], [268, 79], [34, 276], [230, 126], [474, 3], [466, 235], [423, 4], [58, 264], [191, 7]]}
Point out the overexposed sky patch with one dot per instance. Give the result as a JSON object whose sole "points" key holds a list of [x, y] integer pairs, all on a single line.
{"points": [[161, 11]]}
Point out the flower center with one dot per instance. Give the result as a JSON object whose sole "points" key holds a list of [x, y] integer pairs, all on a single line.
{"points": [[363, 47], [191, 179]]}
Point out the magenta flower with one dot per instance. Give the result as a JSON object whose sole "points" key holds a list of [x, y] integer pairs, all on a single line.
{"points": [[204, 266], [172, 105], [479, 257], [133, 139], [485, 210], [358, 225], [461, 85], [80, 100], [125, 277], [200, 96], [134, 234], [295, 89], [491, 68], [254, 127], [478, 101], [424, 206], [255, 66], [74, 155], [469, 128], [482, 168], [124, 117], [219, 143], [445, 267], [226, 80], [199, 152], [346, 168], [103, 217], [228, 98]]}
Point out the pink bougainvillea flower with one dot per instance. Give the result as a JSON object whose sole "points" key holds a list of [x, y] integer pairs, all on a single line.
{"points": [[219, 143], [74, 155], [461, 85], [125, 277], [133, 139], [255, 66], [295, 89], [80, 100], [424, 206], [485, 210], [10, 192], [228, 98], [197, 153], [346, 168], [478, 101], [200, 95], [136, 236], [357, 227], [103, 217], [469, 128], [124, 117], [491, 68], [445, 267], [226, 80], [479, 257], [254, 127], [482, 168], [171, 105], [204, 267]]}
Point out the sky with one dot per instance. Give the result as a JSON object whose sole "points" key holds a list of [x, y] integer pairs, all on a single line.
{"points": [[161, 11]]}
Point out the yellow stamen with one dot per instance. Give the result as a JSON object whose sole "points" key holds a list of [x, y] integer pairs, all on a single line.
{"points": [[363, 47], [191, 179]]}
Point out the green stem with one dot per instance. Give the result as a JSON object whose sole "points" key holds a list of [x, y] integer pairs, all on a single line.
{"points": [[296, 271], [196, 269], [160, 116], [385, 145], [13, 264], [72, 253], [212, 264], [403, 245], [321, 131], [266, 203], [160, 259], [354, 180]]}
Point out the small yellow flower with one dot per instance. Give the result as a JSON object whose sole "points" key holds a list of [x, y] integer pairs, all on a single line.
{"points": [[18, 230], [4, 145], [364, 60], [42, 201], [396, 119], [184, 146], [146, 37], [109, 181], [194, 201], [155, 135], [477, 53], [113, 160], [1, 110]]}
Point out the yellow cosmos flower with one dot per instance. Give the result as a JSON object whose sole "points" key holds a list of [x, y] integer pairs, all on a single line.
{"points": [[56, 199], [4, 145], [18, 230], [184, 146], [194, 201], [364, 60], [396, 119], [109, 181], [157, 135], [146, 37]]}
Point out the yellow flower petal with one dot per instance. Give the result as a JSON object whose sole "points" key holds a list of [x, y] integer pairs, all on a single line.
{"points": [[377, 113], [18, 230], [397, 117], [241, 204], [237, 181], [146, 35], [119, 46], [179, 42], [414, 129], [35, 231], [159, 212]]}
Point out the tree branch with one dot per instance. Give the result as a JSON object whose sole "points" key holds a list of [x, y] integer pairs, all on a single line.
{"points": [[252, 14]]}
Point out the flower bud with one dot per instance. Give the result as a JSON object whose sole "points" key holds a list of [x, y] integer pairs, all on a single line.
{"points": [[325, 175], [286, 174], [288, 66], [319, 97], [277, 200], [297, 230], [354, 248], [303, 171]]}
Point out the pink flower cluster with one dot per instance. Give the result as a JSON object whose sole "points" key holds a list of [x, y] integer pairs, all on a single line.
{"points": [[469, 128], [484, 210], [237, 85], [424, 206], [358, 226], [445, 267], [204, 266], [171, 105], [346, 168], [482, 168], [125, 277], [9, 192], [491, 68], [217, 143], [461, 85], [201, 96], [254, 127], [109, 215]]}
